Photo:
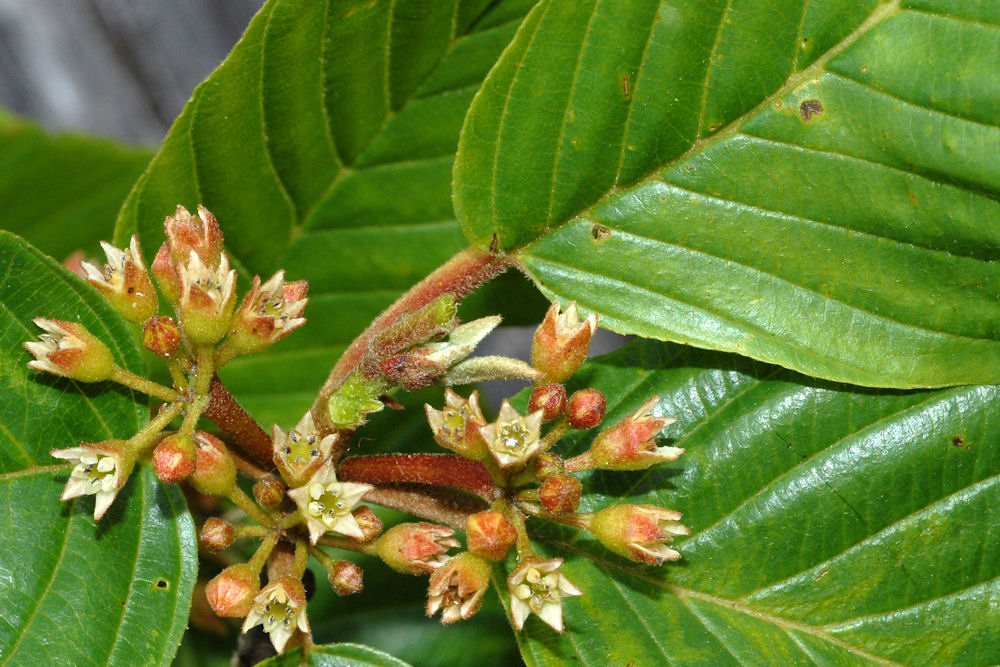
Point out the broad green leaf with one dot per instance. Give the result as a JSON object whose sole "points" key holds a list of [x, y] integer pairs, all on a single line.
{"points": [[830, 524], [76, 593], [336, 655], [61, 192], [324, 144], [812, 184]]}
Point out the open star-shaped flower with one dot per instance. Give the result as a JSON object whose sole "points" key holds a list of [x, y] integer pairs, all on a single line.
{"points": [[124, 281], [280, 608], [300, 452], [101, 470], [538, 587], [326, 504], [513, 438], [269, 313]]}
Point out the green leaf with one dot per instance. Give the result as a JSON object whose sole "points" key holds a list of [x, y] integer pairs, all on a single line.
{"points": [[76, 593], [324, 145], [812, 184], [336, 655], [61, 192], [830, 524]]}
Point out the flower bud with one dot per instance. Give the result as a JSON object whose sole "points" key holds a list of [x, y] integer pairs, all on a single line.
{"points": [[368, 522], [457, 587], [489, 534], [161, 335], [561, 342], [174, 458], [208, 296], [167, 277], [216, 535], [456, 427], [560, 493], [214, 473], [231, 592], [346, 578], [124, 282], [68, 349], [585, 409], [269, 491], [629, 445], [199, 233], [415, 548], [639, 532], [269, 313], [550, 399]]}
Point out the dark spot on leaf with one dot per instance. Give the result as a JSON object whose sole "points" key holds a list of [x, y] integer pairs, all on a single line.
{"points": [[864, 69], [600, 232], [625, 86], [162, 584], [495, 244], [958, 440], [810, 108]]}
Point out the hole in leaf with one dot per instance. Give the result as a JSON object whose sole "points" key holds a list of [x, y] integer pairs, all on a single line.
{"points": [[161, 584]]}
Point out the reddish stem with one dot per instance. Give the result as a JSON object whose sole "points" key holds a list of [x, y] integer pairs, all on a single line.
{"points": [[445, 470], [237, 424], [459, 276], [447, 506]]}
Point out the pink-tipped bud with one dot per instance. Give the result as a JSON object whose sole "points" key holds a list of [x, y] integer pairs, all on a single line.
{"points": [[165, 272], [269, 313], [68, 349], [346, 578], [124, 282], [561, 342], [174, 459], [161, 335], [560, 493], [457, 587], [231, 592], [457, 426], [548, 464], [216, 535], [416, 548], [639, 532], [550, 399], [489, 534], [214, 472], [585, 409], [269, 491], [371, 526], [199, 233], [629, 445]]}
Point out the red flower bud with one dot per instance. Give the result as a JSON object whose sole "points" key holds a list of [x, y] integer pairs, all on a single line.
{"points": [[561, 342], [346, 578], [369, 523], [628, 445], [231, 592], [269, 491], [415, 548], [166, 274], [585, 408], [547, 464], [214, 472], [560, 494], [550, 399], [216, 535], [199, 233], [639, 532], [489, 534], [161, 335], [174, 458]]}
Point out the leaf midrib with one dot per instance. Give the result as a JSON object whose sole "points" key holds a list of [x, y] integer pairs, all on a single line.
{"points": [[731, 129]]}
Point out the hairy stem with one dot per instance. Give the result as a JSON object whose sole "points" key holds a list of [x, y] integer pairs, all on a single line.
{"points": [[445, 470], [460, 275], [237, 425]]}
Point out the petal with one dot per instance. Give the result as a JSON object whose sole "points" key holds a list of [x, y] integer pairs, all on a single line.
{"points": [[348, 525], [552, 614], [519, 611], [103, 502]]}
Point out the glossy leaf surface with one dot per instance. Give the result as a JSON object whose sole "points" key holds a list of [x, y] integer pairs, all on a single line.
{"points": [[337, 655], [76, 593], [830, 525], [62, 192], [324, 145], [813, 184]]}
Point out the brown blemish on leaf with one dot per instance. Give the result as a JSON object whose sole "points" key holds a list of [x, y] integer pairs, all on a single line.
{"points": [[600, 232], [495, 244], [625, 86], [958, 440], [810, 108]]}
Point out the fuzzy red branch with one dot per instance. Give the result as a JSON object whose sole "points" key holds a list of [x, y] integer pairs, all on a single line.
{"points": [[442, 470]]}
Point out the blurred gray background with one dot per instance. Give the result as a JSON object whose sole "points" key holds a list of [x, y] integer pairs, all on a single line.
{"points": [[118, 68]]}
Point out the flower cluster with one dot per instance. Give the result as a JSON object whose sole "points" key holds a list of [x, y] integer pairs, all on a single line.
{"points": [[533, 482]]}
